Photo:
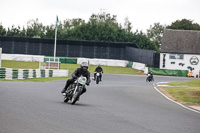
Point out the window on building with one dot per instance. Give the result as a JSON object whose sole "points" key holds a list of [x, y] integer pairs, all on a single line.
{"points": [[179, 56], [172, 56], [176, 56]]}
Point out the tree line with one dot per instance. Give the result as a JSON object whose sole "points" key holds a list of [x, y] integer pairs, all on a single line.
{"points": [[100, 27]]}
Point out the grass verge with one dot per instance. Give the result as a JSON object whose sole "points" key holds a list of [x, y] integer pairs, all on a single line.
{"points": [[65, 66], [19, 64], [70, 67], [106, 69], [186, 92]]}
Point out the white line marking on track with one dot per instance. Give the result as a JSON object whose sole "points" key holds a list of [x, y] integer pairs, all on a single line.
{"points": [[175, 101]]}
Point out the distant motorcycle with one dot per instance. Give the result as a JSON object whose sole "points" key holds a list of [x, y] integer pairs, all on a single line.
{"points": [[97, 77], [149, 78], [75, 89]]}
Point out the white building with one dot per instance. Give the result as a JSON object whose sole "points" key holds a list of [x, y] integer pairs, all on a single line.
{"points": [[180, 50]]}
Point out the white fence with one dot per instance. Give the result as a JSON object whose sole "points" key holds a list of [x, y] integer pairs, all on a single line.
{"points": [[21, 57]]}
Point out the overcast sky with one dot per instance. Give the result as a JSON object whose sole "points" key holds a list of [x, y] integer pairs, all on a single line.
{"points": [[141, 13]]}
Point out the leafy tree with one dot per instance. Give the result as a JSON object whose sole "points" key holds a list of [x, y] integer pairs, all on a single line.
{"points": [[184, 24], [49, 32], [66, 29], [121, 35], [2, 30], [127, 25], [13, 31], [155, 34], [35, 29], [142, 41], [22, 33], [77, 22], [104, 27], [100, 27]]}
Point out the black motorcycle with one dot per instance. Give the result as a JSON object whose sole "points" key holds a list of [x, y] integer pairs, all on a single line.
{"points": [[97, 77], [149, 78], [75, 89]]}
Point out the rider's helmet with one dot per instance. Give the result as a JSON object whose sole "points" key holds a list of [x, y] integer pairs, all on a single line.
{"points": [[84, 64], [99, 65]]}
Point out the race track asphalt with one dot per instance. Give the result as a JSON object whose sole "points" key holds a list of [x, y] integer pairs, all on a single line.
{"points": [[119, 104]]}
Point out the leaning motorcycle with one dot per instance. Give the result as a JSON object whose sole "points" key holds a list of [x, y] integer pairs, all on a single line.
{"points": [[75, 89], [149, 78], [97, 77]]}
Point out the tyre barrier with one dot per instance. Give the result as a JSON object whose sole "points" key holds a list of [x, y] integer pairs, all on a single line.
{"points": [[8, 73]]}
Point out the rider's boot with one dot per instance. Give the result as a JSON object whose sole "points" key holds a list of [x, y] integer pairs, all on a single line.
{"points": [[65, 88]]}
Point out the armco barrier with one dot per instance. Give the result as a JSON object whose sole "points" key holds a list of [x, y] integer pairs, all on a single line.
{"points": [[167, 72], [8, 73]]}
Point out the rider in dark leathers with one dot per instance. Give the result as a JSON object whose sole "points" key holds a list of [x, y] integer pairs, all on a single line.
{"points": [[100, 70], [83, 70]]}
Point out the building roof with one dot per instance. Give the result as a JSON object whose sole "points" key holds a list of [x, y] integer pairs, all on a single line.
{"points": [[180, 41]]}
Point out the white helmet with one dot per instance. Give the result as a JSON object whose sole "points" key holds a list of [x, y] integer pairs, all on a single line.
{"points": [[84, 64]]}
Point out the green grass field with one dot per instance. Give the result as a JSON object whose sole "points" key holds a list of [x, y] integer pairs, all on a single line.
{"points": [[19, 64], [187, 92], [106, 69], [70, 67]]}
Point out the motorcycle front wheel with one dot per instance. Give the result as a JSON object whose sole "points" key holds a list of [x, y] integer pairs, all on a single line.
{"points": [[97, 80], [76, 96]]}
